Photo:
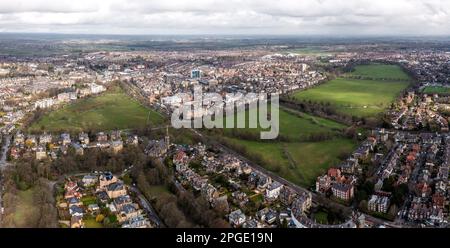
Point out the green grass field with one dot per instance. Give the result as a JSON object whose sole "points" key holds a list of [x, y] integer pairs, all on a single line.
{"points": [[88, 200], [26, 211], [436, 90], [293, 158], [380, 71], [111, 110], [357, 97], [294, 125], [298, 162]]}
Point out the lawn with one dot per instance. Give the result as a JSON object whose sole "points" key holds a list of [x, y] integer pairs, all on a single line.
{"points": [[436, 90], [380, 72], [293, 124], [298, 162], [361, 98], [294, 159], [111, 110], [26, 211], [365, 92], [88, 200]]}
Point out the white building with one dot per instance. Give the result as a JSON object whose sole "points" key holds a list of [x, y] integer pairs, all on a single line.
{"points": [[378, 203], [96, 89], [273, 191], [44, 103]]}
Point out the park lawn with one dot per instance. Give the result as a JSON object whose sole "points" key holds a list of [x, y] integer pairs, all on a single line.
{"points": [[26, 211], [293, 124], [436, 90], [91, 223], [108, 111], [380, 71], [298, 162], [314, 158], [360, 98]]}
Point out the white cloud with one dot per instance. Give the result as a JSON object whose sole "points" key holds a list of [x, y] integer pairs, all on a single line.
{"points": [[381, 17]]}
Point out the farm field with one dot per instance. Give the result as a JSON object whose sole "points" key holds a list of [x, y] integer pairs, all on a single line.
{"points": [[111, 110], [358, 97]]}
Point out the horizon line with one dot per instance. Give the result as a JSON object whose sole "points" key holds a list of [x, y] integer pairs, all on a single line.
{"points": [[237, 35]]}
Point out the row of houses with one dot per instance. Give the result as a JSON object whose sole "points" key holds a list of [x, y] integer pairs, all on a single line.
{"points": [[109, 193], [49, 146], [64, 97], [243, 182]]}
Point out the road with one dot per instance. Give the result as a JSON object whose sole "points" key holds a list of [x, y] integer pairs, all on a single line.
{"points": [[151, 213]]}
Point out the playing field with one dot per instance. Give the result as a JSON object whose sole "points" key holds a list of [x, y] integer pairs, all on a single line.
{"points": [[380, 71], [357, 97], [298, 162], [111, 110], [436, 90], [294, 125]]}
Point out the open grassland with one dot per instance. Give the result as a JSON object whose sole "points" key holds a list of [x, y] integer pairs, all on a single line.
{"points": [[296, 157], [293, 125], [111, 110], [360, 97], [298, 162], [310, 145], [26, 211], [380, 72], [436, 90]]}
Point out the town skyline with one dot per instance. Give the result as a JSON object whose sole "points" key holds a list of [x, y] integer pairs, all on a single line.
{"points": [[418, 17]]}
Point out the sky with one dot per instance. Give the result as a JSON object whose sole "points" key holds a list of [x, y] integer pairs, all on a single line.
{"points": [[261, 17]]}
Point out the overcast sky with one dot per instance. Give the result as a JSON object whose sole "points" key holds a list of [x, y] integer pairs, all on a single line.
{"points": [[294, 17]]}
